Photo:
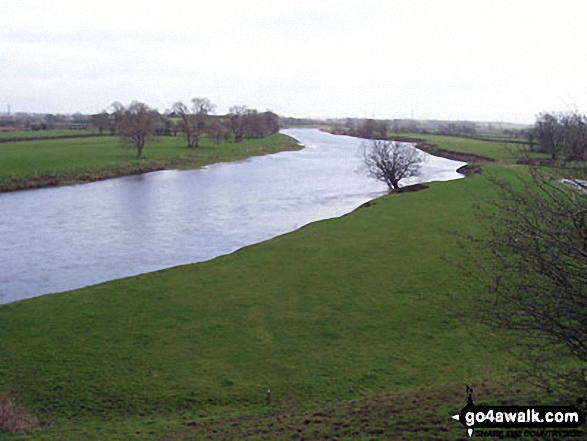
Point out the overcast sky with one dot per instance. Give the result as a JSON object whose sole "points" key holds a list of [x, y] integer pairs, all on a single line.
{"points": [[472, 59]]}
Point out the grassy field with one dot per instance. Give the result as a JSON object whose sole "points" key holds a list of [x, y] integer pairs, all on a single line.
{"points": [[499, 151], [31, 164], [43, 133], [349, 322]]}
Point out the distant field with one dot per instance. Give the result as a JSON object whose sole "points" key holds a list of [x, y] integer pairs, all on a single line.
{"points": [[499, 136], [502, 150], [30, 164], [43, 133]]}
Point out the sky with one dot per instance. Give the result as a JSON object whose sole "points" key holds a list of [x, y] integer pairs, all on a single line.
{"points": [[452, 59]]}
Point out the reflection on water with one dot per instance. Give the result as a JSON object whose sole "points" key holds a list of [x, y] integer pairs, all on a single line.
{"points": [[57, 239]]}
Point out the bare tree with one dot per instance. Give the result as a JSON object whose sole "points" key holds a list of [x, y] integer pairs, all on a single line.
{"points": [[390, 161], [252, 124], [532, 269], [237, 121], [202, 108], [186, 123], [193, 120], [101, 121], [368, 129], [550, 134], [217, 129], [271, 123], [563, 135], [135, 124]]}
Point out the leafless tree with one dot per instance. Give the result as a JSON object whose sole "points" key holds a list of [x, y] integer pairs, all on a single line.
{"points": [[532, 269], [237, 121], [217, 129], [271, 123], [186, 123], [390, 161], [252, 124], [193, 120], [368, 129], [135, 124], [101, 121], [550, 134], [259, 125], [202, 108], [563, 135]]}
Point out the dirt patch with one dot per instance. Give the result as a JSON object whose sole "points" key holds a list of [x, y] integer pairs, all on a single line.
{"points": [[365, 205], [410, 188], [406, 189], [469, 169], [16, 418]]}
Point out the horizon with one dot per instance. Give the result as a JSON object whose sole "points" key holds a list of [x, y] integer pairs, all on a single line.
{"points": [[317, 120], [490, 61]]}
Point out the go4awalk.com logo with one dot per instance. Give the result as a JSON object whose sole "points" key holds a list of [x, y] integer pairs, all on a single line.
{"points": [[518, 421]]}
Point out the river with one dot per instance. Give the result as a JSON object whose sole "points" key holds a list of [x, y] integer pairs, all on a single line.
{"points": [[58, 239]]}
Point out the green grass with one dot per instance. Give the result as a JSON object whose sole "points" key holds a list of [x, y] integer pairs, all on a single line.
{"points": [[417, 413], [499, 137], [30, 164], [499, 151], [346, 312]]}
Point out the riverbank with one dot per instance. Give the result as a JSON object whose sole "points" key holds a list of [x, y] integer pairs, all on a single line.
{"points": [[49, 163], [456, 148]]}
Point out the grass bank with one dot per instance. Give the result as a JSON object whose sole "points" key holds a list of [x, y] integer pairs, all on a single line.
{"points": [[43, 163], [502, 151], [347, 321]]}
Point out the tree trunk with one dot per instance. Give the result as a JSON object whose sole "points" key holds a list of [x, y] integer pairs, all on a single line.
{"points": [[140, 145]]}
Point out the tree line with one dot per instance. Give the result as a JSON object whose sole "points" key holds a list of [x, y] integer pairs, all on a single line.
{"points": [[562, 135], [137, 123]]}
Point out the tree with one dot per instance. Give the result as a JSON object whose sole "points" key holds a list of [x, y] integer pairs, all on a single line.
{"points": [[390, 162], [271, 123], [574, 128], [533, 272], [193, 121], [562, 135], [252, 124], [135, 124], [101, 121], [217, 129], [202, 108], [550, 135], [367, 129], [186, 123], [237, 121]]}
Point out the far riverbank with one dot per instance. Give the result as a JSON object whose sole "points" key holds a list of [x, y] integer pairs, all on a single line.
{"points": [[65, 161]]}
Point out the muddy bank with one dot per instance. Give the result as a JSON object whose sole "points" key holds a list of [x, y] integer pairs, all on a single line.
{"points": [[15, 183], [449, 154], [428, 148]]}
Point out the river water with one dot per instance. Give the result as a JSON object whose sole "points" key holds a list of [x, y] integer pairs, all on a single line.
{"points": [[57, 239]]}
